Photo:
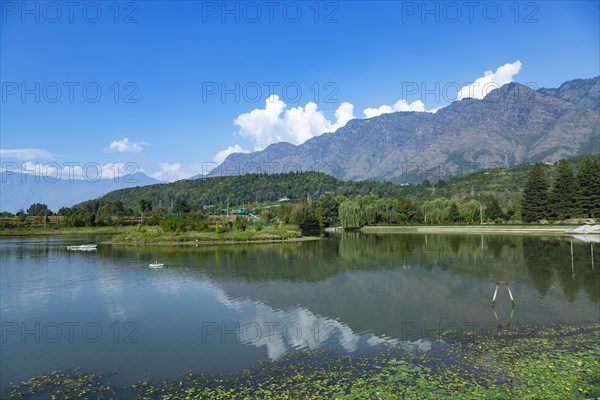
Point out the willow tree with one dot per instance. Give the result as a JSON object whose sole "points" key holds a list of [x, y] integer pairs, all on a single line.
{"points": [[350, 214]]}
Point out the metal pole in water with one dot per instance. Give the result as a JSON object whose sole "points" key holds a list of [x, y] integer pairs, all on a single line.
{"points": [[510, 294], [572, 264], [592, 251], [495, 293], [482, 247], [498, 283]]}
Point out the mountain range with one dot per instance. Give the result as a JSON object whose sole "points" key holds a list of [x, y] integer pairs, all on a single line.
{"points": [[513, 124], [20, 190]]}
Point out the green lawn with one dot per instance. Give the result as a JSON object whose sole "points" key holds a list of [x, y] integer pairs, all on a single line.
{"points": [[154, 235]]}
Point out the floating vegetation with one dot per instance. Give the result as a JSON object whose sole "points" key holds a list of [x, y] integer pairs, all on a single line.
{"points": [[558, 362], [71, 384]]}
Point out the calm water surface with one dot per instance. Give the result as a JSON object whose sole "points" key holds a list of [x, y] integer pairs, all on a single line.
{"points": [[220, 309]]}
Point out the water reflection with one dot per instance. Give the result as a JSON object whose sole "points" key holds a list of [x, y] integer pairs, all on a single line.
{"points": [[221, 308]]}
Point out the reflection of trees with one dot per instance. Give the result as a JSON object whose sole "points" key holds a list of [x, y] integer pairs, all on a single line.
{"points": [[538, 262], [534, 261]]}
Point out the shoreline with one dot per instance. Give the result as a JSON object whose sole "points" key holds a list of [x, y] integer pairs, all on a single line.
{"points": [[374, 229], [187, 243], [469, 229]]}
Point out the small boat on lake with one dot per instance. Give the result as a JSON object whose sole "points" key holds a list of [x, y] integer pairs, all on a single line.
{"points": [[156, 264], [83, 247]]}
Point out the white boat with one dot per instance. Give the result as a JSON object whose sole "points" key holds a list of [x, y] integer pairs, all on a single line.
{"points": [[156, 264], [83, 247]]}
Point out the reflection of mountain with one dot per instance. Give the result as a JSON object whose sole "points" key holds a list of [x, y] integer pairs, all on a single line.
{"points": [[397, 286], [283, 330]]}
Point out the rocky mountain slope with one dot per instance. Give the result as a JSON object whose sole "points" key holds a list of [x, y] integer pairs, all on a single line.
{"points": [[511, 125]]}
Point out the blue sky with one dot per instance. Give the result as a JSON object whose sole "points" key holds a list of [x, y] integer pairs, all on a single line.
{"points": [[161, 68]]}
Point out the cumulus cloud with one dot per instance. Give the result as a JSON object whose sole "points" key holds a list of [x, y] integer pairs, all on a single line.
{"points": [[344, 113], [222, 155], [489, 81], [277, 123], [400, 105], [27, 154], [124, 145], [176, 171]]}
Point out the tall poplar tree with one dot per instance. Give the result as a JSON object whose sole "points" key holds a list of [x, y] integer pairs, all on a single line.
{"points": [[535, 196], [562, 195], [588, 193]]}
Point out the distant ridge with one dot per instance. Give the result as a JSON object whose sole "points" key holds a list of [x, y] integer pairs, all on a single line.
{"points": [[19, 190], [511, 125]]}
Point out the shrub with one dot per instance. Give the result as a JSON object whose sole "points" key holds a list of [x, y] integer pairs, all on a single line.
{"points": [[175, 224], [240, 224]]}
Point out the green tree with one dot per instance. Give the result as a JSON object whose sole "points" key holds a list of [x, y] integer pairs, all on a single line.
{"points": [[453, 213], [562, 195], [535, 196], [351, 216], [302, 215], [406, 211], [175, 224], [74, 220], [326, 207], [180, 205], [144, 205], [240, 223], [39, 209], [435, 211], [64, 211], [284, 213], [470, 211], [588, 194], [493, 210], [22, 216]]}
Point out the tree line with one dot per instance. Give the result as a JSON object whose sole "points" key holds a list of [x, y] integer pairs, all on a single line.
{"points": [[569, 195], [531, 193]]}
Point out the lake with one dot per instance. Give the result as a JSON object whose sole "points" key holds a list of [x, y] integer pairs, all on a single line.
{"points": [[219, 309]]}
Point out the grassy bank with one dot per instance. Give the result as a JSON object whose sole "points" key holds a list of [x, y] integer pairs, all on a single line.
{"points": [[518, 229], [64, 231], [153, 235], [561, 362], [157, 237]]}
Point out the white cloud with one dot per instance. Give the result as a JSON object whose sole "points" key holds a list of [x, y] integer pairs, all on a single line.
{"points": [[489, 81], [123, 145], [344, 113], [400, 105], [222, 155], [276, 123], [176, 171], [27, 154]]}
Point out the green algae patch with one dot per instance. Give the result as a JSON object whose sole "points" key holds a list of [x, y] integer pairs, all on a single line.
{"points": [[557, 362], [72, 384], [554, 363]]}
